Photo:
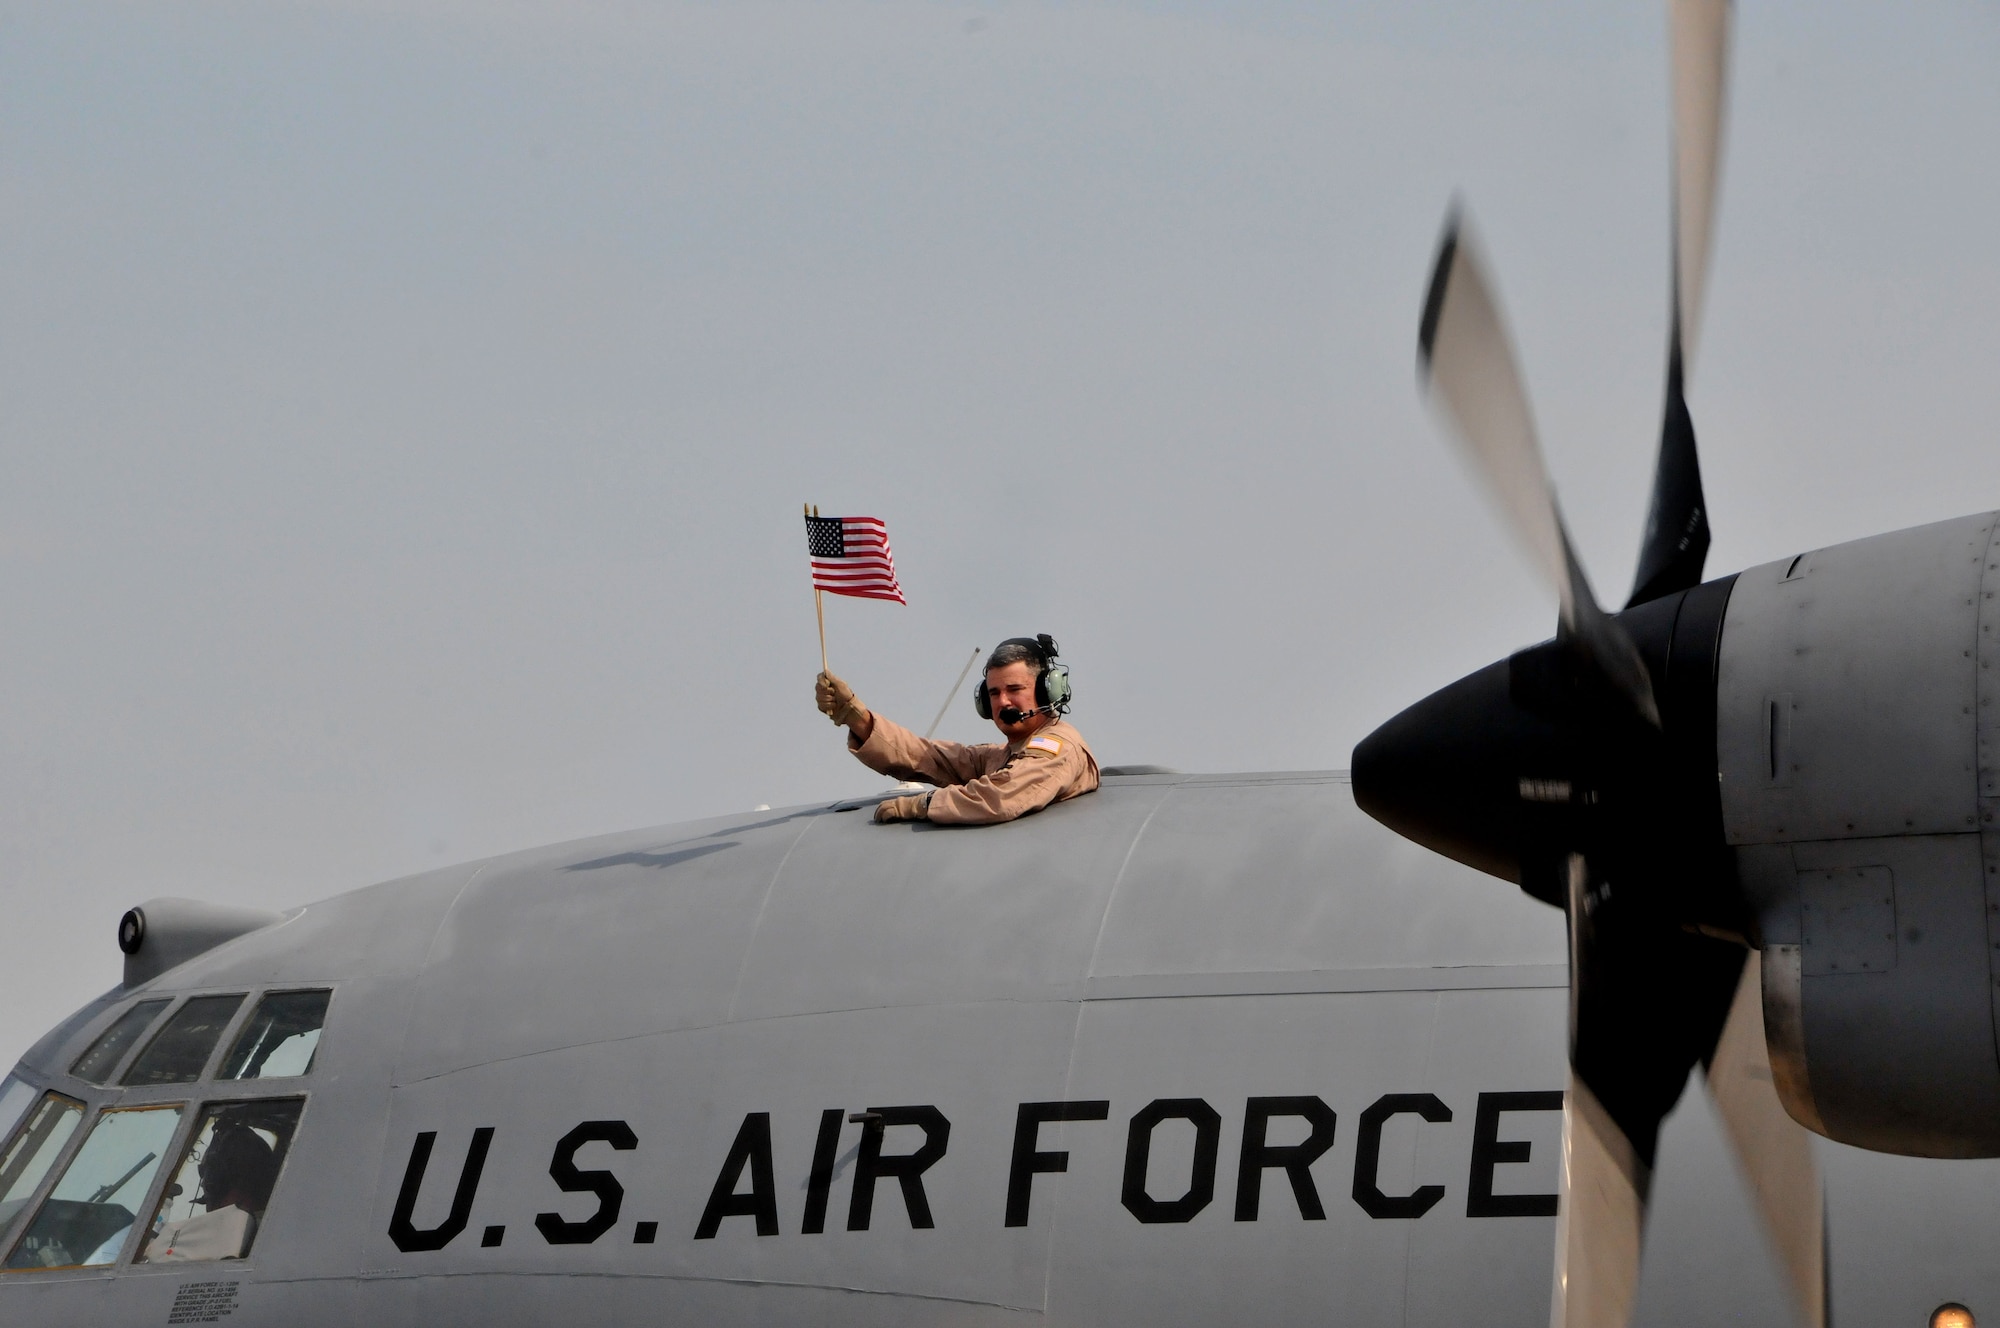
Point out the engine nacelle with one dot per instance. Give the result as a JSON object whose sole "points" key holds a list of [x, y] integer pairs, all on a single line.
{"points": [[1858, 747]]}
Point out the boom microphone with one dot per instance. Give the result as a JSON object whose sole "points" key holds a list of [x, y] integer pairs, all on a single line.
{"points": [[1009, 715]]}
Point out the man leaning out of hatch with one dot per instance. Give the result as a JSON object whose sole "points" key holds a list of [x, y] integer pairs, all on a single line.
{"points": [[1043, 760]]}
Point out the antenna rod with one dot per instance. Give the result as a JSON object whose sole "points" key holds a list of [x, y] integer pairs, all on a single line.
{"points": [[953, 692]]}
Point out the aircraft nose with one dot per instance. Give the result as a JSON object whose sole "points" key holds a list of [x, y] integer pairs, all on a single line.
{"points": [[1471, 773]]}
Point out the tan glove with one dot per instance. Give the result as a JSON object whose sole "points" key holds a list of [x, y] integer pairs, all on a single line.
{"points": [[837, 700], [916, 807]]}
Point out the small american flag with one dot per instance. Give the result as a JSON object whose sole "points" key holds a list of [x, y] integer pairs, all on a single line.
{"points": [[850, 556]]}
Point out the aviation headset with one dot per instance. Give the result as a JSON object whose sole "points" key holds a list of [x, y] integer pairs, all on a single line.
{"points": [[240, 1160], [1052, 690]]}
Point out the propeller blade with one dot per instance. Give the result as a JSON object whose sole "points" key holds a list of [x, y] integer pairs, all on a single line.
{"points": [[1648, 1000], [1677, 535], [1467, 360], [1602, 1222], [1699, 31], [1605, 1182], [1774, 1150]]}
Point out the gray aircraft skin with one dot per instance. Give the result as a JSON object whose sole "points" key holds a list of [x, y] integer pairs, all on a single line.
{"points": [[1172, 939]]}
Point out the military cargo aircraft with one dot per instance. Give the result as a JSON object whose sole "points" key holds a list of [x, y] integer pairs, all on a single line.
{"points": [[1192, 1049]]}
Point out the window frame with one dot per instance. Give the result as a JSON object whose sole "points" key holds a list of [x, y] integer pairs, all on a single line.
{"points": [[224, 1037], [99, 1029], [17, 1225], [128, 1257], [149, 1198], [34, 1095], [226, 1045]]}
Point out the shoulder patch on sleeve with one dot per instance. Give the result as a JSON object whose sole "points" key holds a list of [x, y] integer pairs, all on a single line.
{"points": [[1044, 743]]}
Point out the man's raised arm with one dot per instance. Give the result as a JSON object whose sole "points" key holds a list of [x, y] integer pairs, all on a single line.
{"points": [[888, 748]]}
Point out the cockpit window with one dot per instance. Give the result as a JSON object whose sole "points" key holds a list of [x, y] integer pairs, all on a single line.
{"points": [[95, 1065], [88, 1216], [14, 1099], [34, 1150], [215, 1202], [179, 1051], [279, 1040]]}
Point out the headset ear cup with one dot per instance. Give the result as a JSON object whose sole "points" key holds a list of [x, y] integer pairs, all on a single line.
{"points": [[980, 701], [1052, 688]]}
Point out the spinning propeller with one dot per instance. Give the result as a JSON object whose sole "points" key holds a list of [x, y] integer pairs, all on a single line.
{"points": [[1585, 769]]}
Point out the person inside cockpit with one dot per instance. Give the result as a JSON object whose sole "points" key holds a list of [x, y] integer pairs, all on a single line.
{"points": [[238, 1171], [1025, 692]]}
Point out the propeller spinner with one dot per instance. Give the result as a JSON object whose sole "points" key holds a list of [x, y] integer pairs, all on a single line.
{"points": [[1584, 770]]}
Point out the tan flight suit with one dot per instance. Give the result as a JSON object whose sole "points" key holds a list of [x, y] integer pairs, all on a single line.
{"points": [[985, 784]]}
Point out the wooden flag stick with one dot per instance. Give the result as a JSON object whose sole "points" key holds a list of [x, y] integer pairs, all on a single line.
{"points": [[819, 608], [948, 695]]}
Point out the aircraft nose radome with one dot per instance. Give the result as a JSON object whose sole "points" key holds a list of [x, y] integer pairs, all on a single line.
{"points": [[1445, 772]]}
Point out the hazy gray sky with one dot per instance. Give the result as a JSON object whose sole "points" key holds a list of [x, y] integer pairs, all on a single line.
{"points": [[405, 409]]}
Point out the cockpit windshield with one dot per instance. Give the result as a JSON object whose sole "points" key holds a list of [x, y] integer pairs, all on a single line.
{"points": [[215, 1203], [14, 1099], [96, 1065], [279, 1040], [81, 1183], [33, 1151], [87, 1218], [179, 1051]]}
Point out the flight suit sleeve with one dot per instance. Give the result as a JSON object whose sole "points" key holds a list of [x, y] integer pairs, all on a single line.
{"points": [[893, 750], [1030, 780]]}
